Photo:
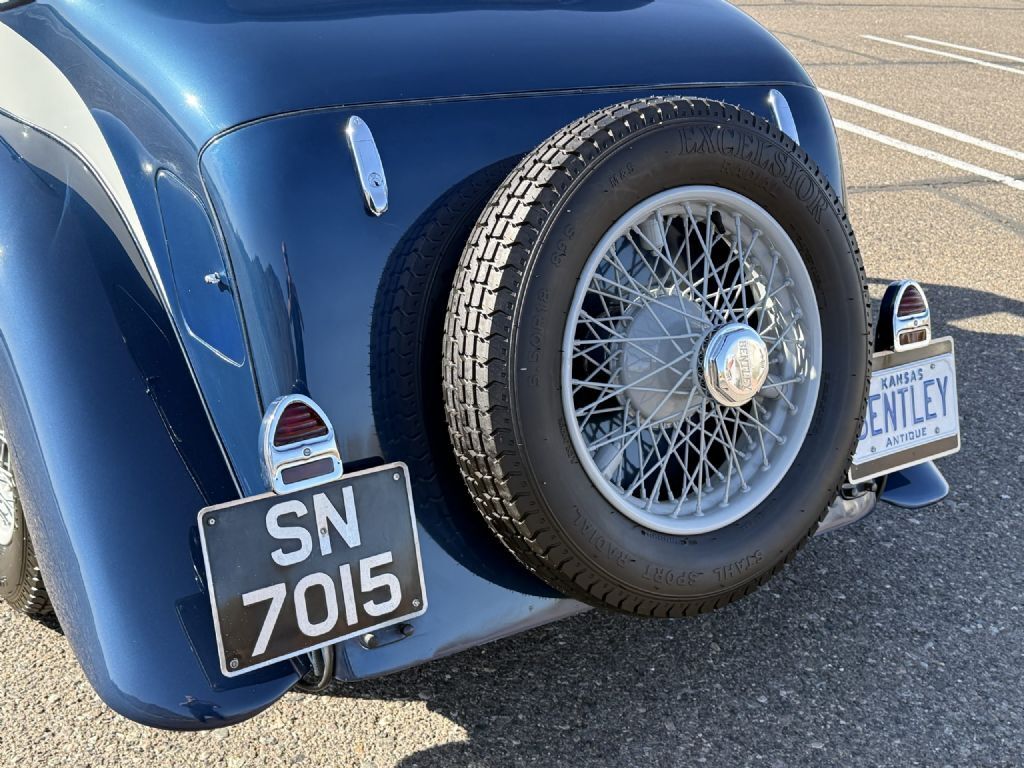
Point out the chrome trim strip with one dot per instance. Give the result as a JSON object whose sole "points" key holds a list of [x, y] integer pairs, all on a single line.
{"points": [[369, 167], [783, 114]]}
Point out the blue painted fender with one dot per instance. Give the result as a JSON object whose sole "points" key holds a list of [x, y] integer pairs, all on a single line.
{"points": [[113, 453]]}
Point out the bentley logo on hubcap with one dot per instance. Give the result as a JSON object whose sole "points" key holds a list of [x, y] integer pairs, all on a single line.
{"points": [[735, 364]]}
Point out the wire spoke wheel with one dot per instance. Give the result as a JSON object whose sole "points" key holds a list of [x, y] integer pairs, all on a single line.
{"points": [[6, 493], [691, 360], [21, 582]]}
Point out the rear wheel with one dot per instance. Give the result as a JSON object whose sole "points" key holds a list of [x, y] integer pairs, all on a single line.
{"points": [[656, 356], [21, 581]]}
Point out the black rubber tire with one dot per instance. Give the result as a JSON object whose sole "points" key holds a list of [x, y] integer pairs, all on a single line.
{"points": [[503, 338], [21, 580], [408, 405]]}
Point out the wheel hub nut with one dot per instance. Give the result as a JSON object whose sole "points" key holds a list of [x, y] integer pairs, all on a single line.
{"points": [[734, 364]]}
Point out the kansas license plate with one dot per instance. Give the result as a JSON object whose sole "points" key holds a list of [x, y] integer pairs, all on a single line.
{"points": [[912, 413], [289, 574]]}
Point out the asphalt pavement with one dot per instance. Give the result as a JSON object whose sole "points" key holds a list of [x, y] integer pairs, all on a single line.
{"points": [[895, 642]]}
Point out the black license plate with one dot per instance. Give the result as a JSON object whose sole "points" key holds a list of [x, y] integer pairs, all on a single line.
{"points": [[292, 573]]}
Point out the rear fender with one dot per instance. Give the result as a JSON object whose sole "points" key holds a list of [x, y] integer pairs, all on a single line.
{"points": [[113, 450]]}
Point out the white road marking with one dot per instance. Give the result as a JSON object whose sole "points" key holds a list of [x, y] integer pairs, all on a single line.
{"points": [[947, 54], [929, 154], [925, 124], [998, 55]]}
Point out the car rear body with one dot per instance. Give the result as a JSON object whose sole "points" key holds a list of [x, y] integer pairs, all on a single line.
{"points": [[195, 139]]}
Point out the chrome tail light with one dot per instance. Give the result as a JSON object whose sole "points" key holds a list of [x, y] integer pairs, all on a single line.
{"points": [[298, 445], [904, 321]]}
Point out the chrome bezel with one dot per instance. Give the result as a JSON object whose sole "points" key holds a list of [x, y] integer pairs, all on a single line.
{"points": [[919, 321], [277, 459]]}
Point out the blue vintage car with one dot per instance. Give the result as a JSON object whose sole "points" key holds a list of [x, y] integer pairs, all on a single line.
{"points": [[338, 336]]}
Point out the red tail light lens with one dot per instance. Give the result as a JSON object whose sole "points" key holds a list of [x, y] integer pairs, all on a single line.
{"points": [[911, 302], [298, 422]]}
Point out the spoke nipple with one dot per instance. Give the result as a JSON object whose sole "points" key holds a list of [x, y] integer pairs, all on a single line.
{"points": [[781, 439], [792, 409]]}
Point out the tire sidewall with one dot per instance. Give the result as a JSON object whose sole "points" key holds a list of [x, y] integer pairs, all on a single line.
{"points": [[682, 152]]}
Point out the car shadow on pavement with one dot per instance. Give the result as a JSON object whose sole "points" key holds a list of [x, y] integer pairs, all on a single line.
{"points": [[872, 647]]}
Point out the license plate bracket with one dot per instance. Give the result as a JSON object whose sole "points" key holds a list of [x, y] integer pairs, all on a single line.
{"points": [[288, 574], [912, 412]]}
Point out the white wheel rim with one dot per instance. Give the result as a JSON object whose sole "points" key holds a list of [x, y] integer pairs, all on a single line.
{"points": [[6, 493], [656, 441]]}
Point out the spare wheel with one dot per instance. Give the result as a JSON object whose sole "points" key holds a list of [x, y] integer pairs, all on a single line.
{"points": [[656, 355]]}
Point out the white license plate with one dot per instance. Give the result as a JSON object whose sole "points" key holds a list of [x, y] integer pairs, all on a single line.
{"points": [[912, 414]]}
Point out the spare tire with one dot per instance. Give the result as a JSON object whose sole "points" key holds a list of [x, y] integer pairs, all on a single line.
{"points": [[656, 355]]}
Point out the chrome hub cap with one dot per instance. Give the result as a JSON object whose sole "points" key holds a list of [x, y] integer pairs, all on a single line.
{"points": [[692, 360], [734, 364], [6, 493]]}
